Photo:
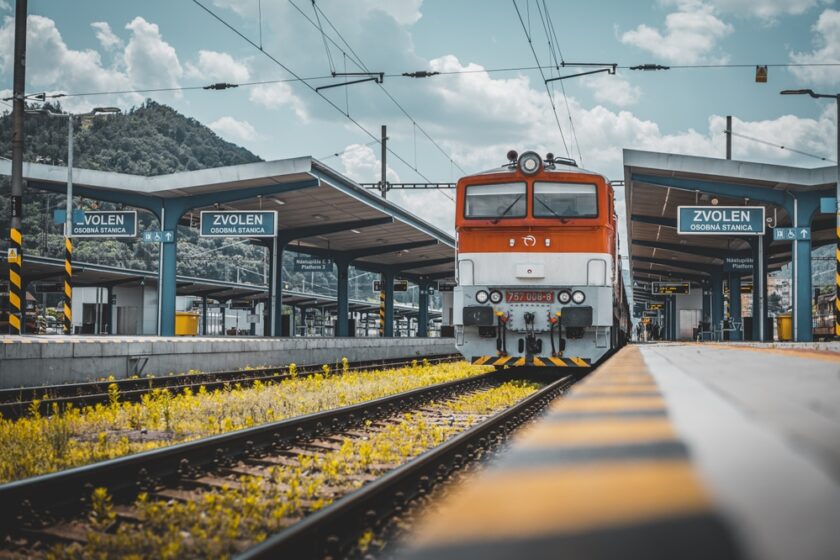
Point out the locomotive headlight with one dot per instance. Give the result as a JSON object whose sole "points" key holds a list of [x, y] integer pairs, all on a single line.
{"points": [[578, 296], [481, 296], [564, 296], [496, 296], [530, 162]]}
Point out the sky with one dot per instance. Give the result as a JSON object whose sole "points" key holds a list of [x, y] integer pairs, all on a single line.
{"points": [[464, 121]]}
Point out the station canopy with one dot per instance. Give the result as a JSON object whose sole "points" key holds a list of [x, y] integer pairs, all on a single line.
{"points": [[339, 216], [657, 183]]}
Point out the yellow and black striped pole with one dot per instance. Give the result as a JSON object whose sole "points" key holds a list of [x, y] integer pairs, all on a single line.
{"points": [[16, 296], [68, 286], [382, 311]]}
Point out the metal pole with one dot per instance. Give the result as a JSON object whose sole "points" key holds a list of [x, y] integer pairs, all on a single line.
{"points": [[68, 231], [795, 274], [383, 186], [762, 319], [837, 249], [728, 136], [17, 299]]}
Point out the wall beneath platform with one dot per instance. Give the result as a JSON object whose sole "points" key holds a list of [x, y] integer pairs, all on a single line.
{"points": [[34, 361]]}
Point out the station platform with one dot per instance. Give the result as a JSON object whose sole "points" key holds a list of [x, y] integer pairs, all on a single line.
{"points": [[45, 360], [665, 451]]}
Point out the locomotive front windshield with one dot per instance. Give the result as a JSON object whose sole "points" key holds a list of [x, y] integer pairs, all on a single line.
{"points": [[502, 200], [565, 200]]}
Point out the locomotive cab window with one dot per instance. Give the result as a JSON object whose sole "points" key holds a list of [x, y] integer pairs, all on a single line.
{"points": [[502, 200], [565, 200]]}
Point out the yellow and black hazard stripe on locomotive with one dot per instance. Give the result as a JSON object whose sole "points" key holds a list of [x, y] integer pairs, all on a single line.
{"points": [[538, 361]]}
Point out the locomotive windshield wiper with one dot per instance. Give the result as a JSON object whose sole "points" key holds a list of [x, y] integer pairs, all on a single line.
{"points": [[508, 209], [549, 208]]}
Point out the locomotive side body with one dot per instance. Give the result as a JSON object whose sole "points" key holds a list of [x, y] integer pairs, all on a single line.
{"points": [[539, 278]]}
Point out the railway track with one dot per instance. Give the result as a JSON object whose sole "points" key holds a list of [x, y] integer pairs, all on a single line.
{"points": [[63, 508], [18, 402]]}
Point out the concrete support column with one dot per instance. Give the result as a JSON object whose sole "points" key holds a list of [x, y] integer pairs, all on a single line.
{"points": [[388, 280], [109, 294], [760, 245], [276, 302], [717, 299], [735, 304], [253, 326], [674, 313], [423, 311], [802, 292], [268, 308], [204, 315], [343, 299], [170, 214]]}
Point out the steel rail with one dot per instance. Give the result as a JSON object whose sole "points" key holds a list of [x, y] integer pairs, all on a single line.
{"points": [[334, 531], [30, 502], [15, 403]]}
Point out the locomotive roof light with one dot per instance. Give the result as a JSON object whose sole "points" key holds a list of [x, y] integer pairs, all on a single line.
{"points": [[496, 296], [530, 163], [578, 297], [564, 296], [481, 296]]}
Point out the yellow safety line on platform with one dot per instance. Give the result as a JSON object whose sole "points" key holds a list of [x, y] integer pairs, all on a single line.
{"points": [[551, 500], [612, 404], [581, 469], [601, 431]]}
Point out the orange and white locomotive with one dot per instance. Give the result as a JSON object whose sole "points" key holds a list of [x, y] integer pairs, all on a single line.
{"points": [[538, 270]]}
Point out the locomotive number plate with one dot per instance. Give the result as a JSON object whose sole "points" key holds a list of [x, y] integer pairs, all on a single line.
{"points": [[518, 296]]}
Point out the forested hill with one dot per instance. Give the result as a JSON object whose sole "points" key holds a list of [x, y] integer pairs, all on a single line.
{"points": [[152, 139]]}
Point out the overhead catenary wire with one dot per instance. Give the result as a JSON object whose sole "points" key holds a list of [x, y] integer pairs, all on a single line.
{"points": [[547, 89], [779, 146], [428, 74], [308, 85], [357, 60], [552, 46]]}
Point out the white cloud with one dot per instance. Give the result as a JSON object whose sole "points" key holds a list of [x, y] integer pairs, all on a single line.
{"points": [[361, 164], [4, 5], [406, 12], [691, 35], [51, 65], [233, 129], [827, 49], [150, 61], [106, 37], [275, 96], [613, 89], [766, 9], [217, 67]]}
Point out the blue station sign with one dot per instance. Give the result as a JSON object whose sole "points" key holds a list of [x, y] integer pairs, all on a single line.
{"points": [[235, 223], [720, 220], [122, 223]]}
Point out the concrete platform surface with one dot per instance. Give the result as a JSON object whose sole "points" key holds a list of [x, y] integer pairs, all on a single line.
{"points": [[46, 360], [665, 451], [763, 425]]}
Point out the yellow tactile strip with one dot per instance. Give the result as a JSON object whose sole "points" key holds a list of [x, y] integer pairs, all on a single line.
{"points": [[602, 475]]}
